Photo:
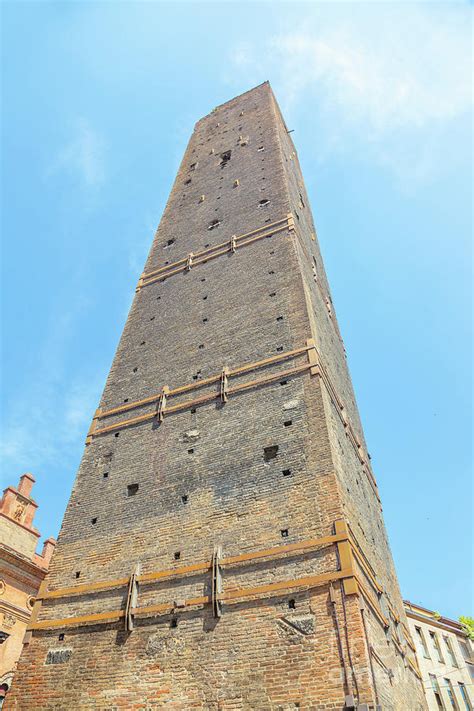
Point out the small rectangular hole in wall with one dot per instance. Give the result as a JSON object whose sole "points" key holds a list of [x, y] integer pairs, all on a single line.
{"points": [[292, 604], [190, 451], [201, 346], [279, 318], [193, 411], [271, 272], [284, 533], [93, 521], [273, 293], [279, 349], [286, 472], [105, 475], [288, 423], [132, 489], [174, 622], [126, 399], [204, 320], [283, 382], [78, 574], [177, 555], [184, 499], [270, 452], [61, 636], [117, 434], [225, 158], [170, 242]]}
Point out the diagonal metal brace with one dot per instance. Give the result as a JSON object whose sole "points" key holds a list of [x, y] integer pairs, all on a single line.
{"points": [[216, 582], [132, 598]]}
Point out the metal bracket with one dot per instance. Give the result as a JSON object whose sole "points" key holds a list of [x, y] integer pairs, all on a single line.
{"points": [[223, 384], [132, 598], [216, 582], [161, 406], [189, 263], [233, 243]]}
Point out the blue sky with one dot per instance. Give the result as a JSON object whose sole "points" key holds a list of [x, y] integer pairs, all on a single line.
{"points": [[99, 102]]}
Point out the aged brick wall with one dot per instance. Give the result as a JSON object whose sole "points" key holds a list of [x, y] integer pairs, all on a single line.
{"points": [[205, 475]]}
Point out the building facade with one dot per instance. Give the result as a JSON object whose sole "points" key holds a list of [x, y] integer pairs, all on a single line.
{"points": [[223, 547], [22, 571], [445, 658]]}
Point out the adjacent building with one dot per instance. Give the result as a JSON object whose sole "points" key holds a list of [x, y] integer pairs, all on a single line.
{"points": [[22, 571], [224, 547], [445, 658]]}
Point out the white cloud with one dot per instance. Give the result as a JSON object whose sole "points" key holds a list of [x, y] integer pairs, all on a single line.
{"points": [[82, 157], [370, 71]]}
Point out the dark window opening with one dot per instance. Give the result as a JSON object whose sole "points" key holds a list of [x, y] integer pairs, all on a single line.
{"points": [[288, 423], [135, 370], [177, 555], [126, 399], [78, 574], [105, 475], [284, 533], [283, 382], [191, 451], [93, 521], [292, 604], [204, 298], [117, 434], [203, 279], [201, 346], [174, 622], [286, 472], [273, 293], [184, 498], [193, 411], [61, 636], [279, 318], [271, 272], [204, 320], [279, 349], [170, 242], [132, 489], [270, 452]]}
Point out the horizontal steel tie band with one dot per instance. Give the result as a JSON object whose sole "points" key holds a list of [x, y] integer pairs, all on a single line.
{"points": [[197, 567], [193, 259], [164, 608]]}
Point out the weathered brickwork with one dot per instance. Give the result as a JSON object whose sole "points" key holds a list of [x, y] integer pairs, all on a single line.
{"points": [[275, 464]]}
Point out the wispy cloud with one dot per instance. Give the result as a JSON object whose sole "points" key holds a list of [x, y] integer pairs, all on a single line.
{"points": [[82, 157], [49, 416], [370, 71]]}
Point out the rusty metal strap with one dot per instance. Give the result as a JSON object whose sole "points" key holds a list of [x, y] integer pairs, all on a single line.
{"points": [[195, 258]]}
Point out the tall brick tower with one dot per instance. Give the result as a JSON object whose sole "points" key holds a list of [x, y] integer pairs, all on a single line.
{"points": [[223, 547]]}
